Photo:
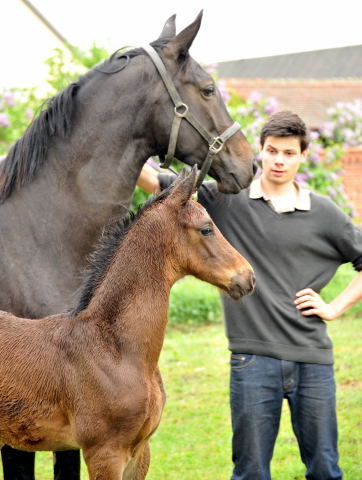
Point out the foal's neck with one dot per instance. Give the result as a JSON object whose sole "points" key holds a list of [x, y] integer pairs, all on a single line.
{"points": [[133, 298]]}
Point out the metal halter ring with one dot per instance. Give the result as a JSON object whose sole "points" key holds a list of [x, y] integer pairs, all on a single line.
{"points": [[216, 145], [184, 112]]}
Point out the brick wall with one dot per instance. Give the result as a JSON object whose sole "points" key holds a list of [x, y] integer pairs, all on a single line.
{"points": [[352, 179]]}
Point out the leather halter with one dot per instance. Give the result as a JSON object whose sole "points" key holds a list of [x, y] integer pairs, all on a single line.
{"points": [[181, 111]]}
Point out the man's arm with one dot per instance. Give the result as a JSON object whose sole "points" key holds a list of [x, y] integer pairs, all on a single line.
{"points": [[310, 299], [148, 180]]}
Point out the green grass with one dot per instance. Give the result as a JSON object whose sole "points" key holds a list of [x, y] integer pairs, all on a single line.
{"points": [[193, 440]]}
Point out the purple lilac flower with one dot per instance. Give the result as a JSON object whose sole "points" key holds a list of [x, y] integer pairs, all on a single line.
{"points": [[223, 90], [255, 96], [211, 68], [9, 98], [272, 106], [4, 120], [348, 135], [302, 177], [327, 129], [314, 135], [29, 113], [331, 191], [334, 175], [313, 158]]}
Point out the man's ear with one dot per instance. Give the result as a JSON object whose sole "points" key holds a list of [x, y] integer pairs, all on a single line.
{"points": [[305, 153]]}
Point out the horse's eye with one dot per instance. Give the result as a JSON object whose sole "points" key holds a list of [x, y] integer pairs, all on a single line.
{"points": [[206, 231], [208, 91]]}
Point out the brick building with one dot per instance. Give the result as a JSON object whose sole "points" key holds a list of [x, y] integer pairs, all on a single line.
{"points": [[307, 83]]}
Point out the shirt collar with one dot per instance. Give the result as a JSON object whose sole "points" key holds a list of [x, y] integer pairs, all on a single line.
{"points": [[302, 200]]}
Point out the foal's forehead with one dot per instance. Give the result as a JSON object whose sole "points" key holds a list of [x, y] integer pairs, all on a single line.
{"points": [[198, 209]]}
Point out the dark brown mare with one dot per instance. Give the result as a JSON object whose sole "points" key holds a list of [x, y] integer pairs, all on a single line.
{"points": [[89, 378], [76, 167]]}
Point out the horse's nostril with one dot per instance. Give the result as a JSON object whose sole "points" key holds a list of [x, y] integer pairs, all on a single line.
{"points": [[255, 167]]}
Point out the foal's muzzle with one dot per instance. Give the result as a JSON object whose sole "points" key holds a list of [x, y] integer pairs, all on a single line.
{"points": [[242, 285]]}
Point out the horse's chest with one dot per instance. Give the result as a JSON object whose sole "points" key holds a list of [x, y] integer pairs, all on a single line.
{"points": [[129, 410]]}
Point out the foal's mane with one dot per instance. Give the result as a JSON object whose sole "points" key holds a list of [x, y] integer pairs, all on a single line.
{"points": [[110, 241], [29, 153]]}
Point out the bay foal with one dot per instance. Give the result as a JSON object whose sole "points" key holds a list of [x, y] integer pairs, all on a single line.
{"points": [[89, 378]]}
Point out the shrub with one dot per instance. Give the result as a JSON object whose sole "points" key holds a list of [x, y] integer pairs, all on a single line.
{"points": [[193, 302], [19, 106]]}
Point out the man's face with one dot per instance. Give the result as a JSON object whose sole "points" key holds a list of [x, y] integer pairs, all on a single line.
{"points": [[281, 157]]}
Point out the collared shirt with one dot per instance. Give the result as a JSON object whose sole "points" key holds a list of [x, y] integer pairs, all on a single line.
{"points": [[300, 202]]}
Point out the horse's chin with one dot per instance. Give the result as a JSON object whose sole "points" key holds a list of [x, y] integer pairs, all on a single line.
{"points": [[232, 184], [228, 188]]}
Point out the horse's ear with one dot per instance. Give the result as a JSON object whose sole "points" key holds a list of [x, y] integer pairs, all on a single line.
{"points": [[169, 29], [184, 186], [183, 41]]}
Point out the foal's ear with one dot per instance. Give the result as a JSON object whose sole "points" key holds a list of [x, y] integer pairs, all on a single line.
{"points": [[184, 186], [183, 41], [169, 29]]}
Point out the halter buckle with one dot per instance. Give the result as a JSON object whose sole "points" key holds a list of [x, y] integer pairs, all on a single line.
{"points": [[183, 113], [216, 145]]}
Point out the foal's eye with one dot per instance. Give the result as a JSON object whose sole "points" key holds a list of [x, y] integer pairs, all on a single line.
{"points": [[208, 91], [206, 231]]}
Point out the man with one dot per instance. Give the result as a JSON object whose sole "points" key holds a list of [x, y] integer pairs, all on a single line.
{"points": [[295, 241]]}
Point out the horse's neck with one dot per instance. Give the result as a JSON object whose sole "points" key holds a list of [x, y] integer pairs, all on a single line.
{"points": [[134, 298]]}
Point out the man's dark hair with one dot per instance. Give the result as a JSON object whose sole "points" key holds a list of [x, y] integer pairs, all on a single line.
{"points": [[285, 124]]}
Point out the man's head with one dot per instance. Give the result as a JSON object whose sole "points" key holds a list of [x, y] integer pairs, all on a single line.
{"points": [[285, 124], [284, 142]]}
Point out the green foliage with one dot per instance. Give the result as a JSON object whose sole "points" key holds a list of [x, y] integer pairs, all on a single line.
{"points": [[19, 106], [345, 125], [65, 68], [139, 198], [61, 71]]}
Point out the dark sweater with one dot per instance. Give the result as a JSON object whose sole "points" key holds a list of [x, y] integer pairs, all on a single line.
{"points": [[288, 252]]}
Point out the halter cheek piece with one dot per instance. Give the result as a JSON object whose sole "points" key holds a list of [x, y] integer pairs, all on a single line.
{"points": [[181, 111]]}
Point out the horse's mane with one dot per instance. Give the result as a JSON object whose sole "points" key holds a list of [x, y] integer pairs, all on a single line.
{"points": [[110, 241], [29, 153]]}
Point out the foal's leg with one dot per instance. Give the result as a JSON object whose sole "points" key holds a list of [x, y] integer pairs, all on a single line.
{"points": [[105, 462], [137, 467]]}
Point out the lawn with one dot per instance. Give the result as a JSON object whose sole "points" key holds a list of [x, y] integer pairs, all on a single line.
{"points": [[193, 440]]}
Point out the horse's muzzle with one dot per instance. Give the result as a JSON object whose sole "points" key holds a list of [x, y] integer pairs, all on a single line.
{"points": [[242, 285]]}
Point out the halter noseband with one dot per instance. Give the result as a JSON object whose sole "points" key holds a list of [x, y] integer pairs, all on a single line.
{"points": [[181, 111]]}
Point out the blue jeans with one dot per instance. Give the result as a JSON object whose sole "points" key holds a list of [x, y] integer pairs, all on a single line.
{"points": [[258, 385]]}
